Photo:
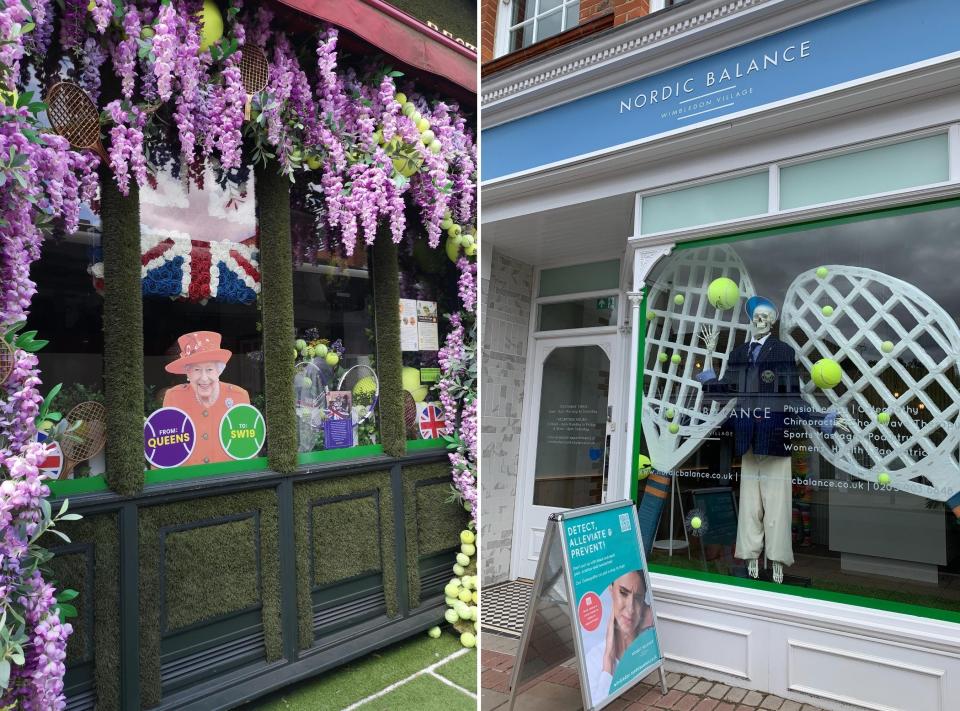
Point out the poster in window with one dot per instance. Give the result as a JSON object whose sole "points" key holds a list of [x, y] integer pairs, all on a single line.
{"points": [[338, 426], [408, 325], [428, 336]]}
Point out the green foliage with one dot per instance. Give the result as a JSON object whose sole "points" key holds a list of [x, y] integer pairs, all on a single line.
{"points": [[276, 270], [122, 336], [386, 290]]}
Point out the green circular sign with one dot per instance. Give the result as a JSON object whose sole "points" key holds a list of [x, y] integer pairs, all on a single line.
{"points": [[242, 432]]}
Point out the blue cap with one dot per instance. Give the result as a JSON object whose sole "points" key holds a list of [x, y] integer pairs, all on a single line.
{"points": [[754, 301]]}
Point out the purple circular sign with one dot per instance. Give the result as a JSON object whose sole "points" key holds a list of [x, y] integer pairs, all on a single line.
{"points": [[168, 437]]}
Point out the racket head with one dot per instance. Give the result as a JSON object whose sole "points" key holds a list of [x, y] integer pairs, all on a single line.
{"points": [[90, 435], [73, 115], [352, 378], [254, 69], [7, 360]]}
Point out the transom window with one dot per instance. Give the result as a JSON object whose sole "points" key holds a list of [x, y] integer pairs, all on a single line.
{"points": [[530, 21]]}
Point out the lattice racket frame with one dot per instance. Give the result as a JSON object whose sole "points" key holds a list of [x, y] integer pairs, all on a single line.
{"points": [[8, 359], [74, 116], [871, 307], [89, 437], [676, 329]]}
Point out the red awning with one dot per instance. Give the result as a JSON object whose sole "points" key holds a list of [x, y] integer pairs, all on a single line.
{"points": [[399, 35]]}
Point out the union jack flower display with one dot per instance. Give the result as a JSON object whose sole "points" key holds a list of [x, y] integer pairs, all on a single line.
{"points": [[430, 420]]}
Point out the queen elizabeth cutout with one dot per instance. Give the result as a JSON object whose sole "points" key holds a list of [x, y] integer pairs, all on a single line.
{"points": [[204, 397]]}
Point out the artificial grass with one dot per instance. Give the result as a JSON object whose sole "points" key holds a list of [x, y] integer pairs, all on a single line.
{"points": [[386, 298], [357, 680], [276, 294], [425, 693], [338, 557], [462, 671], [122, 335]]}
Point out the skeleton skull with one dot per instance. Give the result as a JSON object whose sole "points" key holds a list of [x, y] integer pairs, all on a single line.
{"points": [[761, 323]]}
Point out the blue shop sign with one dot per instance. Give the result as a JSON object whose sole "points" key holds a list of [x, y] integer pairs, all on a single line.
{"points": [[848, 46]]}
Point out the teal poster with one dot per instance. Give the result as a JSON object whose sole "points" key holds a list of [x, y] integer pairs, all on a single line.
{"points": [[612, 599]]}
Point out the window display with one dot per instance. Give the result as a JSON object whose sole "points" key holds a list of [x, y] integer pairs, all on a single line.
{"points": [[813, 375]]}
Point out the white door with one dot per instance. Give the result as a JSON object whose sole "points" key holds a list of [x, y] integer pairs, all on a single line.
{"points": [[569, 457]]}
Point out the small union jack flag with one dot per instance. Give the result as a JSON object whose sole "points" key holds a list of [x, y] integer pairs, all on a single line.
{"points": [[52, 464], [430, 420]]}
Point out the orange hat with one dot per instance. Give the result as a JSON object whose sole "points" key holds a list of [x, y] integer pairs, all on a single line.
{"points": [[198, 347]]}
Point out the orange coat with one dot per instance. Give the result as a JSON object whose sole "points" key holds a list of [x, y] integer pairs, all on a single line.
{"points": [[206, 420]]}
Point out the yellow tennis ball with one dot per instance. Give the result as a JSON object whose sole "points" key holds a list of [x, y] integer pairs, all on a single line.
{"points": [[695, 522], [883, 479], [410, 378], [723, 293], [826, 373], [451, 616], [822, 272], [464, 595], [468, 640], [434, 633], [400, 98], [883, 418], [663, 357], [674, 428], [475, 596], [211, 24], [670, 414], [644, 466], [651, 315], [675, 358], [467, 536], [678, 299], [827, 310], [887, 346], [468, 548]]}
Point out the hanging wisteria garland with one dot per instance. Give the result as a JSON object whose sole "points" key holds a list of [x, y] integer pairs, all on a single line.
{"points": [[372, 147]]}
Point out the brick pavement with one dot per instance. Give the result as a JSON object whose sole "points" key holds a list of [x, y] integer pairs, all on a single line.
{"points": [[554, 691]]}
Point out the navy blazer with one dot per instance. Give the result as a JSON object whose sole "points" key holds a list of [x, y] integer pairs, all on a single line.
{"points": [[763, 392]]}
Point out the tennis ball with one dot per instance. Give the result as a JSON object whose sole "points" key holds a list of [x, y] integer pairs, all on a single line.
{"points": [[434, 633], [423, 124], [463, 559], [435, 147], [467, 536], [295, 353], [826, 373], [410, 378], [455, 230], [473, 612], [211, 23], [415, 117], [458, 569], [452, 590], [468, 640], [310, 351], [147, 33], [470, 250], [468, 548], [332, 359], [321, 350], [822, 272], [678, 299], [464, 595], [463, 611], [883, 479], [400, 98], [365, 390], [663, 357], [450, 601], [300, 344], [675, 358], [313, 162], [883, 418], [670, 414], [428, 136], [723, 293], [674, 428], [695, 523], [452, 248], [644, 467], [408, 108], [475, 596], [651, 315], [887, 346], [451, 616], [827, 310]]}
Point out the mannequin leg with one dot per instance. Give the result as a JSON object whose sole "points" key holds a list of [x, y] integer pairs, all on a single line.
{"points": [[777, 500], [751, 514]]}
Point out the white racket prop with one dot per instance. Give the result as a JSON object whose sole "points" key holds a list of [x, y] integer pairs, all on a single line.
{"points": [[365, 400], [672, 388], [310, 395], [916, 382]]}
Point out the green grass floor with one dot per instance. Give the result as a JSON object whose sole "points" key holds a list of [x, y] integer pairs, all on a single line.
{"points": [[403, 664]]}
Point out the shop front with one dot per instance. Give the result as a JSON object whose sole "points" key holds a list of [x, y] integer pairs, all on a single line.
{"points": [[726, 259], [231, 344]]}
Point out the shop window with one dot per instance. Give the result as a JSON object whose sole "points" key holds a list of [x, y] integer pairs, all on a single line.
{"points": [[706, 204], [580, 278], [900, 166], [203, 399], [592, 312], [828, 453], [531, 21], [68, 312]]}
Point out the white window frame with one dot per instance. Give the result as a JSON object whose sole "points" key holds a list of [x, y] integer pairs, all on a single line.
{"points": [[504, 28]]}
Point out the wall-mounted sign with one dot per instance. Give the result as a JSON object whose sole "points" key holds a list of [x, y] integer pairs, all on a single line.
{"points": [[848, 46]]}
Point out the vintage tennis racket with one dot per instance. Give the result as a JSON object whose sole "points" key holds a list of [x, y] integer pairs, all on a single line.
{"points": [[898, 352], [362, 381], [7, 360], [86, 435], [255, 71], [74, 116]]}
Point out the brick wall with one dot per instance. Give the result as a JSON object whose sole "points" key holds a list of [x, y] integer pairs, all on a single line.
{"points": [[505, 319], [488, 26]]}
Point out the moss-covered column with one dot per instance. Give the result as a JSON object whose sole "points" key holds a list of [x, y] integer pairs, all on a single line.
{"points": [[122, 335], [386, 291], [276, 275]]}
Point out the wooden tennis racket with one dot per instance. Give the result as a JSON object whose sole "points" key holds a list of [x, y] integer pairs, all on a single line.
{"points": [[254, 71], [87, 439], [74, 116]]}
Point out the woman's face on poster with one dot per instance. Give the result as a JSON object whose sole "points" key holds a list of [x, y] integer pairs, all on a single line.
{"points": [[628, 593], [204, 377]]}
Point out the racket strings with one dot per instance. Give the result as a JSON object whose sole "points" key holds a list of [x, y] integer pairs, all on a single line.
{"points": [[73, 115], [254, 70], [7, 360]]}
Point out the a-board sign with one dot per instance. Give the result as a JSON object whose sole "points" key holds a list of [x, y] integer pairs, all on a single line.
{"points": [[591, 599], [718, 508]]}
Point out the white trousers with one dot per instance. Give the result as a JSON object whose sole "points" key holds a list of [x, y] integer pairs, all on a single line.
{"points": [[766, 508]]}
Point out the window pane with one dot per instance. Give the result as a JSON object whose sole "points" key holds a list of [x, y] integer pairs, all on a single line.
{"points": [[202, 343], [583, 313], [706, 204], [547, 5], [549, 25], [573, 15], [876, 170], [523, 10], [595, 276], [869, 509], [521, 37]]}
